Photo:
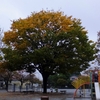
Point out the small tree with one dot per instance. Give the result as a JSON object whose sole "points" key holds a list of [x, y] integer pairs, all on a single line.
{"points": [[61, 82], [54, 80], [20, 76], [5, 74], [32, 78]]}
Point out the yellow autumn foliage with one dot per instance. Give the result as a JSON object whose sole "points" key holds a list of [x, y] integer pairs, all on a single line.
{"points": [[38, 22], [10, 36], [21, 46]]}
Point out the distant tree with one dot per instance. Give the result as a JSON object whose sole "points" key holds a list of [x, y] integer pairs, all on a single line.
{"points": [[5, 74], [20, 76], [33, 79], [23, 77], [52, 81], [50, 42], [59, 80]]}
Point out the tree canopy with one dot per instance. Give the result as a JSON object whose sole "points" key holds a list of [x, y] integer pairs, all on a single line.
{"points": [[59, 80], [50, 42]]}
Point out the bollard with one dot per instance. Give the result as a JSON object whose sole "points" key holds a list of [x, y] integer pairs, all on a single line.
{"points": [[44, 98]]}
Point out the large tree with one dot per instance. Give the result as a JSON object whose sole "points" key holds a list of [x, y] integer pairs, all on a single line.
{"points": [[50, 42]]}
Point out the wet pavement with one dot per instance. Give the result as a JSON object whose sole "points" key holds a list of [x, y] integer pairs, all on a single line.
{"points": [[37, 96]]}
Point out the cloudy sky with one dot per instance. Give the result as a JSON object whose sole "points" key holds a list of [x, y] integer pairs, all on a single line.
{"points": [[86, 10]]}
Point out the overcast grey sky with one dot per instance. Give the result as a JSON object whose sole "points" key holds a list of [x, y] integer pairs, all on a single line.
{"points": [[86, 10]]}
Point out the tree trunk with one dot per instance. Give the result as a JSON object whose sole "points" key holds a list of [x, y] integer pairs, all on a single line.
{"points": [[6, 83], [14, 87], [45, 78], [21, 85]]}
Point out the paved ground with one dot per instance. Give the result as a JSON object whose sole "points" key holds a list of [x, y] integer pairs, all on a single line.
{"points": [[37, 96], [34, 96]]}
